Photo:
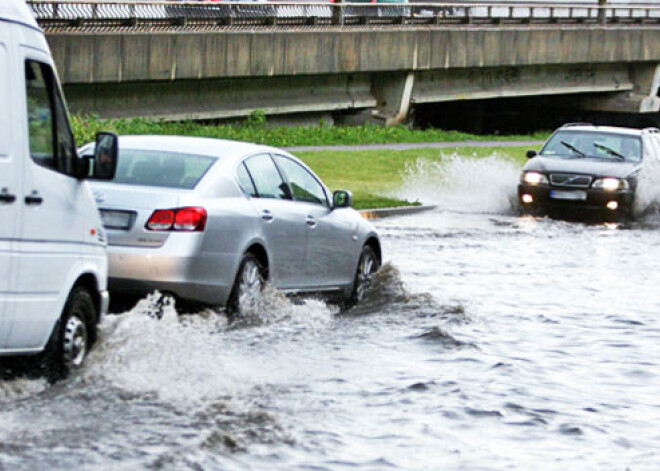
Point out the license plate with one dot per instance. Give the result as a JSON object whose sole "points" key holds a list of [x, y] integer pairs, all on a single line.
{"points": [[116, 219], [576, 195]]}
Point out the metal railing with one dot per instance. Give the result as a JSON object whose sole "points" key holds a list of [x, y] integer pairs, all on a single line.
{"points": [[59, 15]]}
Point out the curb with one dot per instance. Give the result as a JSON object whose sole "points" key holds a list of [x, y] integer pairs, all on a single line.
{"points": [[381, 213]]}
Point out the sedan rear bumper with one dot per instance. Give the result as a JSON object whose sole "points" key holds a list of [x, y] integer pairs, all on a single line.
{"points": [[205, 278]]}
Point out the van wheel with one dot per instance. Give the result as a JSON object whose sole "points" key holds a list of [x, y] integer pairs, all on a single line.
{"points": [[367, 266], [247, 288], [72, 337]]}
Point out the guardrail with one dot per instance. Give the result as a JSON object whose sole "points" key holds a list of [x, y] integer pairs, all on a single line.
{"points": [[58, 15]]}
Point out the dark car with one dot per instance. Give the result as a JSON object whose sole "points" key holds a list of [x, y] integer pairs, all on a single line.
{"points": [[586, 168]]}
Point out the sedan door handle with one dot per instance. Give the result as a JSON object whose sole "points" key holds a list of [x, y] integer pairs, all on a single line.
{"points": [[6, 198], [34, 199], [311, 222], [267, 216]]}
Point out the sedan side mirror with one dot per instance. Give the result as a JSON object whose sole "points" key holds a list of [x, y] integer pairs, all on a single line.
{"points": [[531, 154], [106, 155], [342, 199]]}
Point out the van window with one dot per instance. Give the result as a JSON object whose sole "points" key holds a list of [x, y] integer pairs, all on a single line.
{"points": [[51, 141]]}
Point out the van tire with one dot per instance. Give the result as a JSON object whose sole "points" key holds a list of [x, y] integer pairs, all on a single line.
{"points": [[72, 337]]}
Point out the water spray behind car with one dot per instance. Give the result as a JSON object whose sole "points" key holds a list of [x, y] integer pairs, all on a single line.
{"points": [[647, 200], [463, 183]]}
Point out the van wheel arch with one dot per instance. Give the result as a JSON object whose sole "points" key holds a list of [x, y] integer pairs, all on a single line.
{"points": [[90, 283]]}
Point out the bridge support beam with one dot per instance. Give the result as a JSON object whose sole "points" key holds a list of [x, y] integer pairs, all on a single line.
{"points": [[643, 98], [222, 98], [393, 93]]}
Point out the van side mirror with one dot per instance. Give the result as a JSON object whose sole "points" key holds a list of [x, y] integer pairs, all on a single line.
{"points": [[342, 199], [106, 154], [531, 154]]}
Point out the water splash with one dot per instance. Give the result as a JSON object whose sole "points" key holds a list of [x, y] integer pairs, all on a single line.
{"points": [[153, 350], [464, 183], [647, 195], [21, 388], [388, 295]]}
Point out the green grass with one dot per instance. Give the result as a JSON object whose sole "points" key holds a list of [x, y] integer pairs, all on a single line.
{"points": [[368, 174], [255, 129], [373, 173]]}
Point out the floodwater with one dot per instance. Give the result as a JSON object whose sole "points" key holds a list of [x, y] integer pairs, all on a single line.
{"points": [[489, 341]]}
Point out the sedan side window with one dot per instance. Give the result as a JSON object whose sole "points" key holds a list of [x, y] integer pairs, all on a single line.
{"points": [[304, 185], [245, 181], [267, 179]]}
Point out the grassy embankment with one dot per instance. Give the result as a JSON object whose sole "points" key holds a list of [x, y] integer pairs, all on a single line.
{"points": [[374, 173], [368, 174]]}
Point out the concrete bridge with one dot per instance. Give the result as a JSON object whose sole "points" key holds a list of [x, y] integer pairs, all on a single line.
{"points": [[175, 62]]}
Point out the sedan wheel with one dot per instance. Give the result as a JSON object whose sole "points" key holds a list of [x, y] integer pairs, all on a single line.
{"points": [[367, 266], [247, 288]]}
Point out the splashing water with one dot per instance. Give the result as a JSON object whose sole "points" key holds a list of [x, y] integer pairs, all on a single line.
{"points": [[21, 388], [464, 184], [191, 357], [647, 195]]}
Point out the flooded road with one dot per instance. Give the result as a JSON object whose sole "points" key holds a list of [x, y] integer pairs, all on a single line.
{"points": [[489, 341]]}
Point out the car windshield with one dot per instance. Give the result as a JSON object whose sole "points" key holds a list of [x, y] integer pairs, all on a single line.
{"points": [[156, 168], [602, 145]]}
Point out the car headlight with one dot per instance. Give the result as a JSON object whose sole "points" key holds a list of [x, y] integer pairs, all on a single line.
{"points": [[534, 178], [611, 184]]}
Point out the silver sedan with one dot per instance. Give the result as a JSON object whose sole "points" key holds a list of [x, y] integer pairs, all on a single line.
{"points": [[210, 221]]}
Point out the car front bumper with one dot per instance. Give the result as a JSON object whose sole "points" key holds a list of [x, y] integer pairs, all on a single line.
{"points": [[549, 197]]}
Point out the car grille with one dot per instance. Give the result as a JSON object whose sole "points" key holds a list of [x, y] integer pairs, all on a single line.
{"points": [[570, 180]]}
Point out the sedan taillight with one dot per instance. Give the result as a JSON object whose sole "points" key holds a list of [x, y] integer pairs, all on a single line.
{"points": [[191, 219]]}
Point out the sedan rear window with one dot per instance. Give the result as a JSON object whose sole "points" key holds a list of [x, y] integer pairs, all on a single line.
{"points": [[155, 168]]}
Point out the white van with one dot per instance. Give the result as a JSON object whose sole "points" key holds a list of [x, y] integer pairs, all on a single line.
{"points": [[53, 264]]}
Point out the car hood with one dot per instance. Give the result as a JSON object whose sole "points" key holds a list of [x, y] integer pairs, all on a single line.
{"points": [[586, 166]]}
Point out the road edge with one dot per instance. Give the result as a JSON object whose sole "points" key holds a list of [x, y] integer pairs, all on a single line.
{"points": [[380, 213]]}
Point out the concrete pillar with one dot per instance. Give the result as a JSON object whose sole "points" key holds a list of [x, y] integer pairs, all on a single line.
{"points": [[642, 99], [602, 13], [393, 93]]}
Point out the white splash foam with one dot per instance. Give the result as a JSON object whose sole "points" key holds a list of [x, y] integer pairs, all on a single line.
{"points": [[18, 389], [464, 183], [647, 196], [193, 357]]}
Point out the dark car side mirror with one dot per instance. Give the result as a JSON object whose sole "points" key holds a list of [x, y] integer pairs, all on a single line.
{"points": [[106, 155], [342, 199], [531, 154]]}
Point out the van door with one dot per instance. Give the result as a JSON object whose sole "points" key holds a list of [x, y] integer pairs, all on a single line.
{"points": [[51, 234], [10, 184]]}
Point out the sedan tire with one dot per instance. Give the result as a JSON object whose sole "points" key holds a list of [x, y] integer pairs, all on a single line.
{"points": [[368, 264], [250, 281]]}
